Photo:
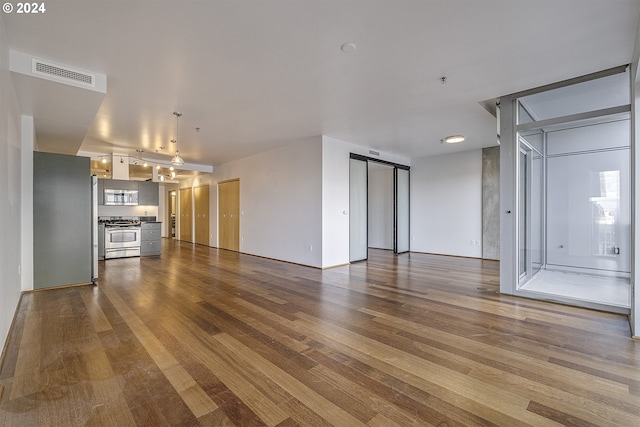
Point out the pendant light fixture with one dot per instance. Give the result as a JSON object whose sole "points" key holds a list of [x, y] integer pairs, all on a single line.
{"points": [[177, 160]]}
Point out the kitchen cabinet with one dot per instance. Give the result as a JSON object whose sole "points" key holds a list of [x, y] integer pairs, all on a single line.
{"points": [[150, 238], [148, 193], [100, 241], [119, 184], [100, 191]]}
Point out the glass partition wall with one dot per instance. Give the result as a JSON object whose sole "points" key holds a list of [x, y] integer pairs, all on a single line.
{"points": [[573, 193]]}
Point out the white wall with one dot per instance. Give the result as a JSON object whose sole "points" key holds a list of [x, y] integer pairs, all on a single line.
{"points": [[380, 195], [335, 202], [446, 204], [10, 189], [335, 196], [280, 202], [294, 200]]}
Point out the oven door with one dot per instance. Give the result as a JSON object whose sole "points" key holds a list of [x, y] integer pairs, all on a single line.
{"points": [[121, 242]]}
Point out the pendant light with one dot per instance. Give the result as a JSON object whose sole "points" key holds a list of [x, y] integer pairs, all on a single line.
{"points": [[177, 160]]}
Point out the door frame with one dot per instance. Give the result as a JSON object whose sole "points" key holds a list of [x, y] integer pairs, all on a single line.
{"points": [[396, 166]]}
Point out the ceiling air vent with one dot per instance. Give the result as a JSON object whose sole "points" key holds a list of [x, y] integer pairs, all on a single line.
{"points": [[63, 73]]}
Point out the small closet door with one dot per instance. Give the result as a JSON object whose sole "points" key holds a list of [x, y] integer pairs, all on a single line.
{"points": [[229, 214], [186, 217], [201, 217]]}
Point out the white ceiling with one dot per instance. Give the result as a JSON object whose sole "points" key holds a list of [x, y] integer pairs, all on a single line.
{"points": [[254, 75]]}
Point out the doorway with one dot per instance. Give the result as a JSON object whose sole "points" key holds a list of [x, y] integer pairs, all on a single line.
{"points": [[171, 214], [573, 193], [378, 205]]}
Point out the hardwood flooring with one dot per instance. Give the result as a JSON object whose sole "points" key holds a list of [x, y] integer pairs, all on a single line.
{"points": [[201, 336]]}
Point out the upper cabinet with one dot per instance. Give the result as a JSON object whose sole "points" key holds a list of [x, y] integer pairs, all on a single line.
{"points": [[120, 184], [148, 193], [100, 191]]}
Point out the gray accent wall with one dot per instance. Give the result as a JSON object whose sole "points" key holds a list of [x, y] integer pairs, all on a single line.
{"points": [[491, 203], [62, 247]]}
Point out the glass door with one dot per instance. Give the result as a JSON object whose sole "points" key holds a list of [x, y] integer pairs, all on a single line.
{"points": [[358, 206], [530, 207], [401, 210]]}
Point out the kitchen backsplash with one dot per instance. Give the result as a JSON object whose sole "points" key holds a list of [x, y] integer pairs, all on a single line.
{"points": [[127, 210]]}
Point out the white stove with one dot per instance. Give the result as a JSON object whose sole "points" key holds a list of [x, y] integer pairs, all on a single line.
{"points": [[122, 238]]}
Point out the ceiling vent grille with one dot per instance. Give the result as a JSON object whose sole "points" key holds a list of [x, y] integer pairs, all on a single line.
{"points": [[63, 73]]}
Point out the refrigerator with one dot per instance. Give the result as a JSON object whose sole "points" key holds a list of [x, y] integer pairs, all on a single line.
{"points": [[64, 221], [94, 228]]}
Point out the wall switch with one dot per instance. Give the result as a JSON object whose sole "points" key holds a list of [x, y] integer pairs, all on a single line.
{"points": [[310, 248]]}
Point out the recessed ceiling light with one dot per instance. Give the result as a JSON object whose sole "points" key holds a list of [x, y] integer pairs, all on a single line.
{"points": [[454, 139], [348, 47]]}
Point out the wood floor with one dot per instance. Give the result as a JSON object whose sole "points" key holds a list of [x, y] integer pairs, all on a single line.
{"points": [[201, 336]]}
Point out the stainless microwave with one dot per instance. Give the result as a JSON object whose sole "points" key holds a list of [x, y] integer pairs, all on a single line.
{"points": [[120, 197]]}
